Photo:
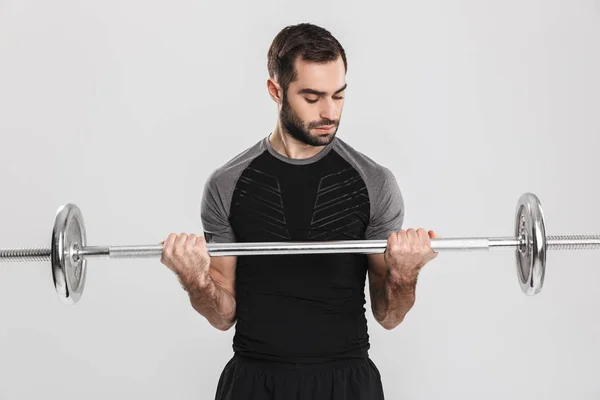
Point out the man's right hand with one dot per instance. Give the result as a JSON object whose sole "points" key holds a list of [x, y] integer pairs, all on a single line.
{"points": [[187, 256], [210, 285]]}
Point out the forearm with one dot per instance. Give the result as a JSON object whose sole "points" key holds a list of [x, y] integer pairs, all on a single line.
{"points": [[216, 304], [392, 298]]}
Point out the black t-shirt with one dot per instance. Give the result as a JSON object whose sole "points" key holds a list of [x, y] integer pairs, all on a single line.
{"points": [[308, 307]]}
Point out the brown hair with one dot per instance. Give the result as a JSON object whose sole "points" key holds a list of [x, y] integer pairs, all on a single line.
{"points": [[310, 42]]}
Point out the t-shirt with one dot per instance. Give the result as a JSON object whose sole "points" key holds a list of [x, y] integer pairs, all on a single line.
{"points": [[301, 308]]}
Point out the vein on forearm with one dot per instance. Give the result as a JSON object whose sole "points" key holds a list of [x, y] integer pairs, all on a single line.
{"points": [[215, 303], [393, 298]]}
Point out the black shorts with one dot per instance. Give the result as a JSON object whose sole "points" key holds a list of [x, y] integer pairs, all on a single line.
{"points": [[251, 379]]}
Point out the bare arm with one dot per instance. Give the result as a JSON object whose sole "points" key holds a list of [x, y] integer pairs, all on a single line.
{"points": [[393, 275], [209, 281], [214, 296], [391, 298]]}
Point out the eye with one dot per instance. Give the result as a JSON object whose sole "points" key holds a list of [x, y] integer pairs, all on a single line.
{"points": [[339, 98], [311, 101]]}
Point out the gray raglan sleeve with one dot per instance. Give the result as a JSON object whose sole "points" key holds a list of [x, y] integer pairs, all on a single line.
{"points": [[214, 212], [387, 207]]}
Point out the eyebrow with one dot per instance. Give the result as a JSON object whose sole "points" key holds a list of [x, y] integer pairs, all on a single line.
{"points": [[318, 93]]}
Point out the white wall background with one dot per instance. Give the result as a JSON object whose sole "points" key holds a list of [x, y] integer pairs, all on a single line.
{"points": [[125, 107]]}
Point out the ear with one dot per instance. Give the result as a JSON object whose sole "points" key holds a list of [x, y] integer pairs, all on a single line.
{"points": [[275, 90]]}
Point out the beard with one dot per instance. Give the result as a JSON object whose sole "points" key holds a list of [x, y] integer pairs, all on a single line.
{"points": [[295, 127]]}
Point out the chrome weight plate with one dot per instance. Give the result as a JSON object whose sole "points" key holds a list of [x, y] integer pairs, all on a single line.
{"points": [[530, 230], [68, 271]]}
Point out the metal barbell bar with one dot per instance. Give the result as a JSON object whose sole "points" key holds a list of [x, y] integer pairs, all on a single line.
{"points": [[69, 253]]}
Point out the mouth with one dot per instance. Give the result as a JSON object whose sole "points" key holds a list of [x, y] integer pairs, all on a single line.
{"points": [[324, 129]]}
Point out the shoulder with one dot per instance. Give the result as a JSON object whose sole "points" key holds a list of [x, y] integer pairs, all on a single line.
{"points": [[372, 171], [226, 174]]}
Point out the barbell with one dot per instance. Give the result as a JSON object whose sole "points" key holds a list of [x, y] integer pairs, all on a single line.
{"points": [[68, 252]]}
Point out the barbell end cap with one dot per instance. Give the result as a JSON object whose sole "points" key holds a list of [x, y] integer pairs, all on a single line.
{"points": [[68, 273]]}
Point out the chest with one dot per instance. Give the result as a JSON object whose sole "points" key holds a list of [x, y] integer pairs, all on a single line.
{"points": [[274, 201]]}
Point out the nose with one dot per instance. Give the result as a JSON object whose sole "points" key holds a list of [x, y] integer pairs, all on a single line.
{"points": [[329, 110]]}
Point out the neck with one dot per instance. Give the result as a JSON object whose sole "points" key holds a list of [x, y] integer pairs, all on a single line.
{"points": [[285, 144]]}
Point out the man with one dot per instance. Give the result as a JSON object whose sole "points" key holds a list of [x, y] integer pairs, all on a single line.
{"points": [[301, 331]]}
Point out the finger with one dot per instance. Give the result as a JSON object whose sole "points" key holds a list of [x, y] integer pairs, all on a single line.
{"points": [[392, 244], [201, 241], [171, 240], [412, 237], [191, 240], [179, 245], [402, 237], [423, 236], [433, 235], [392, 239], [201, 248], [190, 243], [168, 248]]}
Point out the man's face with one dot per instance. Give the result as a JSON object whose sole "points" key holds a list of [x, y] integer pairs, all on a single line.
{"points": [[312, 105]]}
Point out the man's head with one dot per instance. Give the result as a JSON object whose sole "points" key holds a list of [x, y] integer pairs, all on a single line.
{"points": [[307, 70]]}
